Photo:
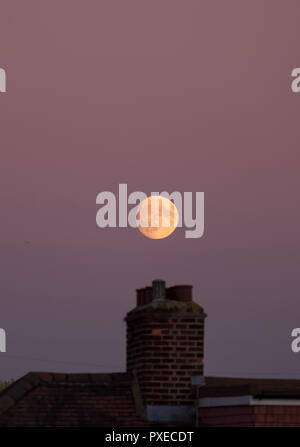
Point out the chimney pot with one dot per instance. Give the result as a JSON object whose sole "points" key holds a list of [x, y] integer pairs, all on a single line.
{"points": [[180, 293], [143, 296], [158, 289]]}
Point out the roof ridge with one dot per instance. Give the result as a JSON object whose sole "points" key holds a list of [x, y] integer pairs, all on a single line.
{"points": [[14, 392]]}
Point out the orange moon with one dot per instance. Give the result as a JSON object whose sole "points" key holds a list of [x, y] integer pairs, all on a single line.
{"points": [[157, 217]]}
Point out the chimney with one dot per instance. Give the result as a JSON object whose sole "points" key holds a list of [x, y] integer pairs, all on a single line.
{"points": [[165, 335]]}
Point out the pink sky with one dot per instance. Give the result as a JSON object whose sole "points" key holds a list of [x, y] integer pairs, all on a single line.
{"points": [[161, 95]]}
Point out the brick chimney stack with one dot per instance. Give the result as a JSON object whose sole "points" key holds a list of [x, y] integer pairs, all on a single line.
{"points": [[165, 334]]}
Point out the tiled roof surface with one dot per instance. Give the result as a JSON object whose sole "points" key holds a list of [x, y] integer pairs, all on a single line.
{"points": [[49, 399], [55, 399]]}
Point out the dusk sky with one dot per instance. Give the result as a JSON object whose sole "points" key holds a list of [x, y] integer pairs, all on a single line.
{"points": [[162, 95]]}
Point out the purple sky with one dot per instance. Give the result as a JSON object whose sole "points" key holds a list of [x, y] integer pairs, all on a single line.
{"points": [[161, 95]]}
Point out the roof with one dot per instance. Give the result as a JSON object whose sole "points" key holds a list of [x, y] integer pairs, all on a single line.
{"points": [[56, 399], [73, 400], [260, 388]]}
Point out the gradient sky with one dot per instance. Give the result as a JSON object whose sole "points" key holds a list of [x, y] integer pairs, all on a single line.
{"points": [[161, 95]]}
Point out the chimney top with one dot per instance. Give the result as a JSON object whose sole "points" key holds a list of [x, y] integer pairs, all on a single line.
{"points": [[159, 291]]}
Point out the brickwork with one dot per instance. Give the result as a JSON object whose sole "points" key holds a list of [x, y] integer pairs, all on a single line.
{"points": [[231, 416], [277, 416], [250, 416], [165, 348]]}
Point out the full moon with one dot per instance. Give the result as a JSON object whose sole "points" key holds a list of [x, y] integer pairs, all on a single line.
{"points": [[157, 217]]}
